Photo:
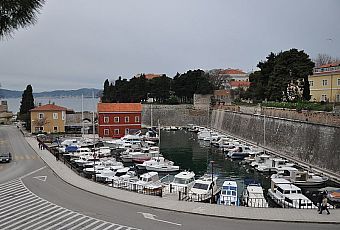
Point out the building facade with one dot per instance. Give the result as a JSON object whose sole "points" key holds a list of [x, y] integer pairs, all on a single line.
{"points": [[325, 83], [48, 118], [118, 119]]}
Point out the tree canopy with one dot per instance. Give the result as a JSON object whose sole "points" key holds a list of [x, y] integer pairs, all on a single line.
{"points": [[17, 14], [282, 77], [27, 103], [162, 89]]}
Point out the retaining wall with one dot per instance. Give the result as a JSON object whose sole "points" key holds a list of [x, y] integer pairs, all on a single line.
{"points": [[312, 143], [173, 115]]}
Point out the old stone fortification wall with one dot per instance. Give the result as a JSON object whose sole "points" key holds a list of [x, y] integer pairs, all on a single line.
{"points": [[174, 115], [317, 117], [315, 144]]}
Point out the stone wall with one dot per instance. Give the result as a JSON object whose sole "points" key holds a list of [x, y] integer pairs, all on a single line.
{"points": [[305, 115], [312, 143], [173, 115]]}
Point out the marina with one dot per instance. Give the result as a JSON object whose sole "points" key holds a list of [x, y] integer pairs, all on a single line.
{"points": [[185, 167]]}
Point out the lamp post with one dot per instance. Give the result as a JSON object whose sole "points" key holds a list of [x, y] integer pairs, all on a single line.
{"points": [[212, 181]]}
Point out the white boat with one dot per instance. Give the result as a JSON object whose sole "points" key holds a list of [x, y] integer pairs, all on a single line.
{"points": [[204, 189], [152, 161], [300, 178], [287, 195], [203, 134], [228, 195], [260, 159], [273, 164], [253, 196], [166, 167], [183, 182]]}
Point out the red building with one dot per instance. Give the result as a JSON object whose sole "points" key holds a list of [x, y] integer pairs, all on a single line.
{"points": [[117, 119]]}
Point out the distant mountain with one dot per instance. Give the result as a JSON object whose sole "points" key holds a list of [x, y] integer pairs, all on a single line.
{"points": [[86, 92]]}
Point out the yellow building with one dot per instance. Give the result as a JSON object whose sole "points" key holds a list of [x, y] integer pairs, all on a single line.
{"points": [[48, 118], [325, 83]]}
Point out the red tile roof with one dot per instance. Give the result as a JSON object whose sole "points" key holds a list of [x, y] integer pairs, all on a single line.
{"points": [[119, 107], [152, 76], [232, 71], [49, 107], [330, 65], [239, 83]]}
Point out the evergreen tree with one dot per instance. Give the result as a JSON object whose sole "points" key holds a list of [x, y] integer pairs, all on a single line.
{"points": [[283, 76], [106, 92], [27, 103], [16, 14]]}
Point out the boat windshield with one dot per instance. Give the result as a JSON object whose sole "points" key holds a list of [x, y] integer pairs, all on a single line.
{"points": [[180, 181], [201, 186], [233, 188]]}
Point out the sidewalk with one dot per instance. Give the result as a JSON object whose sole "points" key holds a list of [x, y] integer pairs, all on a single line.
{"points": [[268, 214]]}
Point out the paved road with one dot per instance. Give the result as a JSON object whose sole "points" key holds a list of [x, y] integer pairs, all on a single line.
{"points": [[38, 199], [24, 160]]}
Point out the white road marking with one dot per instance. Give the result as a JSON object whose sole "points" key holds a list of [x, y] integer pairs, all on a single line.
{"points": [[28, 174], [41, 178], [22, 209], [153, 217]]}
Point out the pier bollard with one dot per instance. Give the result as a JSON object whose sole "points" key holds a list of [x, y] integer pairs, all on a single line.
{"points": [[170, 188]]}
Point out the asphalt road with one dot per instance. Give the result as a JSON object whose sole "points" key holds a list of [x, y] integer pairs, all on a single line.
{"points": [[40, 199]]}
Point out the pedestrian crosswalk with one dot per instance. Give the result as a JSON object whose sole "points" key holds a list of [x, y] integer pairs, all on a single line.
{"points": [[21, 209]]}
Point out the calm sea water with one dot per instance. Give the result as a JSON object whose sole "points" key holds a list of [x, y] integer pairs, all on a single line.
{"points": [[189, 153], [73, 103]]}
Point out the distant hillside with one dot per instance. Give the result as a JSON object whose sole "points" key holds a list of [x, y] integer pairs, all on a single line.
{"points": [[87, 92]]}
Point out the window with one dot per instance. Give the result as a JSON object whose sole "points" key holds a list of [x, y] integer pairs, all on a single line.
{"points": [[106, 132], [106, 119], [55, 116], [127, 131], [116, 131], [323, 97], [311, 83], [337, 98], [116, 119], [40, 115], [63, 115], [338, 82], [324, 82], [55, 128], [126, 119], [137, 119]]}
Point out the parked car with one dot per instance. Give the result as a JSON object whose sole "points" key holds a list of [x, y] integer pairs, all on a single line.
{"points": [[5, 157]]}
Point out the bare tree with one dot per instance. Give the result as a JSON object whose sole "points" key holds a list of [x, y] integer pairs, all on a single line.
{"points": [[323, 59], [216, 79]]}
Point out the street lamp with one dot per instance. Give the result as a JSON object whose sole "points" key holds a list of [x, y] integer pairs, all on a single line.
{"points": [[212, 181]]}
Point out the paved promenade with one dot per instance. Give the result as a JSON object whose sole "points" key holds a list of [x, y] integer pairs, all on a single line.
{"points": [[270, 214]]}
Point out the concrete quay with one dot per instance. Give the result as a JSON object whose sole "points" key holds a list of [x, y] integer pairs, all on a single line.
{"points": [[243, 213]]}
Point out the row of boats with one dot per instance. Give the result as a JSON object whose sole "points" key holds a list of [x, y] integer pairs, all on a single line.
{"points": [[104, 161], [286, 179]]}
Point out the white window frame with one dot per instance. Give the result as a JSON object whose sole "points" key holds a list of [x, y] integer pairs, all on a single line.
{"points": [[338, 82], [55, 130], [63, 117], [324, 82], [55, 116], [311, 83], [116, 119], [116, 131], [323, 97], [127, 130], [106, 120], [337, 98], [127, 119], [41, 115], [137, 119], [106, 132]]}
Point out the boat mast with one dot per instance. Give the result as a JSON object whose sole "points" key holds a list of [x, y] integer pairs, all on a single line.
{"points": [[82, 115]]}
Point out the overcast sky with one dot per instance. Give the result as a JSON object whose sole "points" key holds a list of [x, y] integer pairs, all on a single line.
{"points": [[80, 43]]}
